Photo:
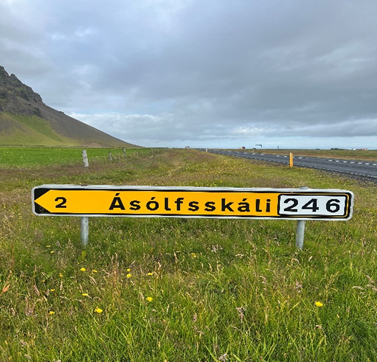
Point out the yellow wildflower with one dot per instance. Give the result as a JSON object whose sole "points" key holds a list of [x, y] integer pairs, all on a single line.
{"points": [[128, 275], [60, 275], [85, 294], [149, 299], [319, 304], [150, 274], [51, 312], [98, 310], [128, 269], [193, 255], [82, 269], [52, 290], [94, 271]]}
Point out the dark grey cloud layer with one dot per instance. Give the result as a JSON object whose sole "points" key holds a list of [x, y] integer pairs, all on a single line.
{"points": [[205, 73]]}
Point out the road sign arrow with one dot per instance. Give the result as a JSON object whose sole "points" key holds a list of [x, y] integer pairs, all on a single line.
{"points": [[74, 201]]}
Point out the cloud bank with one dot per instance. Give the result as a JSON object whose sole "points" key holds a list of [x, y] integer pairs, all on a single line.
{"points": [[205, 74]]}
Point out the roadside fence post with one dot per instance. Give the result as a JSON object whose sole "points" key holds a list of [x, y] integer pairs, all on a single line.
{"points": [[291, 159], [85, 158]]}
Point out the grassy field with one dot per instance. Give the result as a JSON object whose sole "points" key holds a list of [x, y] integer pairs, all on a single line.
{"points": [[35, 157], [164, 289]]}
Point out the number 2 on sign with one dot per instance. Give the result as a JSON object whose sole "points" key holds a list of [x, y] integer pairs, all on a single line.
{"points": [[61, 203]]}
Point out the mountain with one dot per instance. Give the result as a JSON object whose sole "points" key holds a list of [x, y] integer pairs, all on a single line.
{"points": [[26, 120]]}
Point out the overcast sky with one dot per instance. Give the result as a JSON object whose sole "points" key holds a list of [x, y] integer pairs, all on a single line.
{"points": [[203, 73]]}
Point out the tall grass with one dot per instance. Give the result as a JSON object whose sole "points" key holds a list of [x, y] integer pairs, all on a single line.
{"points": [[185, 289], [35, 157]]}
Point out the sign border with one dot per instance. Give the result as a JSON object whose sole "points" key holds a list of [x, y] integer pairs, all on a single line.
{"points": [[38, 191]]}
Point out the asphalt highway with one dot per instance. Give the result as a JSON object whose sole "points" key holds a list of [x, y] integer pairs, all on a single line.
{"points": [[360, 169]]}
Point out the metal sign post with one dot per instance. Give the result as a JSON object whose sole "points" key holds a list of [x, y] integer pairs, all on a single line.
{"points": [[84, 230], [300, 231]]}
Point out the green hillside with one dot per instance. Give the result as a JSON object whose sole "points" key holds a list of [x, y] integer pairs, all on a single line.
{"points": [[22, 130]]}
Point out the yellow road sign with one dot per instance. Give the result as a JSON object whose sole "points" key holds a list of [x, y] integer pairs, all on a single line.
{"points": [[145, 201]]}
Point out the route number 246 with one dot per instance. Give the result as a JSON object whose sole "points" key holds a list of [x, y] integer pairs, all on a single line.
{"points": [[312, 205]]}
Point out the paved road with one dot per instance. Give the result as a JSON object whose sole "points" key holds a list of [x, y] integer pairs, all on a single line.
{"points": [[361, 169]]}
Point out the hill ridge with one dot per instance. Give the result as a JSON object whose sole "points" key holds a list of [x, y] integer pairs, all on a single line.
{"points": [[26, 120]]}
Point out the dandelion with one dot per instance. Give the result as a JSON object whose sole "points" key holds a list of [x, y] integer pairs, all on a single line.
{"points": [[193, 255], [60, 275], [128, 269], [52, 251], [98, 310], [128, 275], [48, 246], [82, 269], [85, 294], [52, 290], [51, 312], [318, 304], [94, 271], [149, 299], [150, 274]]}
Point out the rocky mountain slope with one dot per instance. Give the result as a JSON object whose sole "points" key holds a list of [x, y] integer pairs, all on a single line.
{"points": [[26, 120]]}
